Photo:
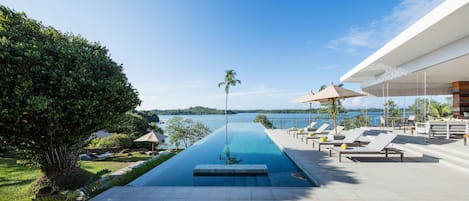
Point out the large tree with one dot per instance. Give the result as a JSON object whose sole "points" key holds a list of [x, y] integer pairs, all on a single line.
{"points": [[56, 89]]}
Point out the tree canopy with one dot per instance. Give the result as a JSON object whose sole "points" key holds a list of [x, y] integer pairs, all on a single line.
{"points": [[56, 89], [261, 118], [149, 116], [134, 124], [185, 131]]}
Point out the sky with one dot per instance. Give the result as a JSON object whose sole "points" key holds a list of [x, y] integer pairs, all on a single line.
{"points": [[175, 52]]}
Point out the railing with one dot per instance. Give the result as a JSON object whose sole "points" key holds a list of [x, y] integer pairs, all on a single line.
{"points": [[348, 122], [283, 123]]}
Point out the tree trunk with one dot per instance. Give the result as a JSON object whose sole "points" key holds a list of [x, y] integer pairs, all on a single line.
{"points": [[59, 163], [226, 118], [335, 115]]}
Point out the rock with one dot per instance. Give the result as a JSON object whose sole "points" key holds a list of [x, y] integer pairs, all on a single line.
{"points": [[124, 151], [84, 157], [44, 192]]}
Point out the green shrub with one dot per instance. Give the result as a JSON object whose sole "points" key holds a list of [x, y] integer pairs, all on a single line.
{"points": [[93, 183], [116, 140], [260, 118], [94, 143], [134, 173]]}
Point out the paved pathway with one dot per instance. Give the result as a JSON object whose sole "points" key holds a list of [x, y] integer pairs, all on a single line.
{"points": [[364, 178]]}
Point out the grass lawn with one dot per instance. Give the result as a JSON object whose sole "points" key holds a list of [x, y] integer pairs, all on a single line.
{"points": [[113, 163], [15, 179]]}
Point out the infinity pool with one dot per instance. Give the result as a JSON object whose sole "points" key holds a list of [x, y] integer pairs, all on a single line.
{"points": [[248, 144]]}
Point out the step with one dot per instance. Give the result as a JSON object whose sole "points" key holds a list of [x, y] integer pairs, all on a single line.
{"points": [[444, 154], [230, 170], [445, 158], [439, 149]]}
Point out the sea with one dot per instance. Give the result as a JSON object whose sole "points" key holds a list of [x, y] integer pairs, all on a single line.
{"points": [[279, 120]]}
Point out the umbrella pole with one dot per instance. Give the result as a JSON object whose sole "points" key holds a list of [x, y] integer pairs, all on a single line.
{"points": [[309, 123], [152, 146], [335, 115]]}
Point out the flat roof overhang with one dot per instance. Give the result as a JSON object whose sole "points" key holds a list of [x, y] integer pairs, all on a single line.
{"points": [[435, 49]]}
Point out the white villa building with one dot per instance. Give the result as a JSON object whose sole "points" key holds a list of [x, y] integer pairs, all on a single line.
{"points": [[431, 57]]}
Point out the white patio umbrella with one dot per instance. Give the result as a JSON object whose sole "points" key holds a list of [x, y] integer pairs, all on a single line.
{"points": [[151, 137], [333, 93], [307, 99]]}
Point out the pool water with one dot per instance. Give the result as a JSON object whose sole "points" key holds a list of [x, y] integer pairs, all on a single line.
{"points": [[248, 144]]}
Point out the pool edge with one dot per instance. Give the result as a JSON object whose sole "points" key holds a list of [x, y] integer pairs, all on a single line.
{"points": [[281, 147]]}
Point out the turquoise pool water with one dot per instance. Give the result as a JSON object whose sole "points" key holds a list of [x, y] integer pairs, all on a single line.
{"points": [[248, 144]]}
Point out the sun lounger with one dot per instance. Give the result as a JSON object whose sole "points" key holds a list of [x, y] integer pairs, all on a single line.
{"points": [[322, 134], [311, 126], [320, 130], [376, 146], [308, 128], [350, 138]]}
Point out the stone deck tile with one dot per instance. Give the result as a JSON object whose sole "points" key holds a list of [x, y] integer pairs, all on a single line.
{"points": [[375, 179]]}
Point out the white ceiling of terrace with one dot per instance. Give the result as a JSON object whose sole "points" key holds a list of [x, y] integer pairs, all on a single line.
{"points": [[438, 80], [438, 44]]}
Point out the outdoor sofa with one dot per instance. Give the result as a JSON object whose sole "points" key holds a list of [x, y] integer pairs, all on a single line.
{"points": [[443, 128]]}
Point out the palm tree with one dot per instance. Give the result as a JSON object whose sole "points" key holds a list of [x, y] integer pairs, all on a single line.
{"points": [[230, 80], [440, 109]]}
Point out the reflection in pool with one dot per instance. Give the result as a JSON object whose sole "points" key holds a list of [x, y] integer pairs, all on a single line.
{"points": [[247, 144]]}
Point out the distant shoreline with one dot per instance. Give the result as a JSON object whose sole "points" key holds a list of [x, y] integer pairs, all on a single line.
{"points": [[210, 111]]}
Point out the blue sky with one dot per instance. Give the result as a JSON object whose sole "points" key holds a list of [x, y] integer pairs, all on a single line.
{"points": [[175, 52]]}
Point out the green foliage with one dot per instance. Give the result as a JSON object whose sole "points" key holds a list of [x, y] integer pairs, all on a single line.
{"points": [[436, 108], [417, 108], [94, 143], [230, 80], [149, 116], [440, 109], [57, 89], [93, 183], [131, 123], [393, 111], [191, 111], [185, 130], [260, 118], [63, 196], [115, 140], [356, 122], [19, 182], [133, 174], [16, 180]]}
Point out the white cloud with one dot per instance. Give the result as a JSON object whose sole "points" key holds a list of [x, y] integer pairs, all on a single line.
{"points": [[378, 32]]}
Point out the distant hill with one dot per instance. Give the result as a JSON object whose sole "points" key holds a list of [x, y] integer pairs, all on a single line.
{"points": [[199, 110]]}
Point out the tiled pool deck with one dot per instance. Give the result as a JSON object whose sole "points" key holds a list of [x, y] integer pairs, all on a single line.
{"points": [[419, 177]]}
